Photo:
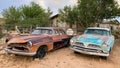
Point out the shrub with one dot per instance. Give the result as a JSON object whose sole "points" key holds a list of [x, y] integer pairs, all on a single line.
{"points": [[1, 35], [116, 34]]}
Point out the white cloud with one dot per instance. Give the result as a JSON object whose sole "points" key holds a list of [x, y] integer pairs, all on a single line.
{"points": [[54, 5], [59, 3], [41, 3]]}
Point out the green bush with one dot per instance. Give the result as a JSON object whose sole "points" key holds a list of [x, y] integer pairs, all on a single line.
{"points": [[1, 35], [116, 34]]}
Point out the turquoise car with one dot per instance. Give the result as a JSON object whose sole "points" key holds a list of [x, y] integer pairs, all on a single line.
{"points": [[95, 41]]}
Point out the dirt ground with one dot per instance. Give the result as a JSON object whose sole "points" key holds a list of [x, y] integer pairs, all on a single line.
{"points": [[62, 58]]}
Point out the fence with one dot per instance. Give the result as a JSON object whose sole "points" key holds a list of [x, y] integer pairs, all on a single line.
{"points": [[2, 40], [18, 29]]}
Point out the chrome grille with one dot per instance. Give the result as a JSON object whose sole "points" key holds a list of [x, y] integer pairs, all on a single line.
{"points": [[93, 46], [18, 47], [79, 43], [86, 49]]}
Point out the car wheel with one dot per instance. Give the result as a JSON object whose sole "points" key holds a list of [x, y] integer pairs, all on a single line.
{"points": [[41, 52]]}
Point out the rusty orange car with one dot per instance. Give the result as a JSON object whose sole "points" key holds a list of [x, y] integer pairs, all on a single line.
{"points": [[38, 43]]}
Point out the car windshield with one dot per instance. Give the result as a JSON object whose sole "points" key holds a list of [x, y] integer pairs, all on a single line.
{"points": [[97, 31], [42, 31]]}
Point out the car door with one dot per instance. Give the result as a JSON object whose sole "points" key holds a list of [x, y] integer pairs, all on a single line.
{"points": [[56, 36], [63, 34], [65, 37]]}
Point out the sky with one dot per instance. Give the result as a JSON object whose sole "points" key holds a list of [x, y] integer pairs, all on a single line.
{"points": [[54, 5]]}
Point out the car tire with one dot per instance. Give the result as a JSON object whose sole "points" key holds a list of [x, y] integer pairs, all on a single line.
{"points": [[41, 52]]}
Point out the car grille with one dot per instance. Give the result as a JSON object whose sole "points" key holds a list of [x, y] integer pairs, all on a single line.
{"points": [[93, 46], [79, 43], [18, 47], [89, 46], [88, 49]]}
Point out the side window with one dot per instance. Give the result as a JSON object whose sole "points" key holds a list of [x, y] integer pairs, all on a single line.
{"points": [[62, 32], [56, 32], [50, 32]]}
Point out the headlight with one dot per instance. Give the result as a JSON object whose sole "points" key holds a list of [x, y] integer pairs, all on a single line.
{"points": [[30, 43], [104, 46], [72, 42]]}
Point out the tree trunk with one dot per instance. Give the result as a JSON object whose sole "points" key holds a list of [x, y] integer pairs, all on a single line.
{"points": [[70, 25]]}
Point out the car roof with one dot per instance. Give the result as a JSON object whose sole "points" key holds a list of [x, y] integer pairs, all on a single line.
{"points": [[99, 28], [48, 28]]}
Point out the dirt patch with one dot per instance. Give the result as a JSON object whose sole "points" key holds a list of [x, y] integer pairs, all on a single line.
{"points": [[62, 58]]}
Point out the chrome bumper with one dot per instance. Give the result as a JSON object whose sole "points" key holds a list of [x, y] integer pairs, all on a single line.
{"points": [[20, 53], [88, 51]]}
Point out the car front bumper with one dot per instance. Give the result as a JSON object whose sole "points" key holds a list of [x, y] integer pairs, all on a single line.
{"points": [[20, 53], [89, 51]]}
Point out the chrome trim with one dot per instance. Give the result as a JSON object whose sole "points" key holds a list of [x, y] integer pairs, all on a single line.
{"points": [[20, 53], [88, 51]]}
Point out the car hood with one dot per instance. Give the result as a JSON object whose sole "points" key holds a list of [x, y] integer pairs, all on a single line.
{"points": [[23, 39], [93, 39]]}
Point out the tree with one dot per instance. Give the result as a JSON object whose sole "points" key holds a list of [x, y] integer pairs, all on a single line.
{"points": [[66, 15], [26, 15], [89, 12], [12, 16], [49, 15]]}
